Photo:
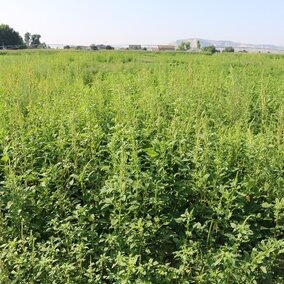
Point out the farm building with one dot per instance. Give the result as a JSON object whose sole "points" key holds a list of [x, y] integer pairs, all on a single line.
{"points": [[82, 47], [135, 47], [101, 46], [166, 48]]}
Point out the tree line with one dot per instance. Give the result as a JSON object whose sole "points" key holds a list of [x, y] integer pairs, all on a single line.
{"points": [[186, 46], [11, 39]]}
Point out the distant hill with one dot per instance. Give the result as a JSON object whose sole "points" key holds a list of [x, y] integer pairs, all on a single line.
{"points": [[221, 44]]}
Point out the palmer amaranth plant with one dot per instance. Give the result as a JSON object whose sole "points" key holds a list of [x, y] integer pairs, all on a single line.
{"points": [[134, 167]]}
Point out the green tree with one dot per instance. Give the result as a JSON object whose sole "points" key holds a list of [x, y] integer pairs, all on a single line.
{"points": [[229, 49], [109, 47], [35, 40], [93, 47], [187, 45], [9, 38], [184, 46], [27, 39], [198, 44], [210, 49]]}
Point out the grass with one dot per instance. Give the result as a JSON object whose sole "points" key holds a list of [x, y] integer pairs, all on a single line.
{"points": [[132, 167]]}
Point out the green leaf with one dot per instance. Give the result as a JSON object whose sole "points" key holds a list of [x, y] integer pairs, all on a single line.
{"points": [[233, 225], [5, 158], [263, 269], [266, 205], [151, 152]]}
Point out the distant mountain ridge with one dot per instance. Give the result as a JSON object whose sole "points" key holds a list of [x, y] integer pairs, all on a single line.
{"points": [[236, 45]]}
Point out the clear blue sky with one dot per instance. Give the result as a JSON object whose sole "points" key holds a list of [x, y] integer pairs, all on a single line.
{"points": [[146, 21]]}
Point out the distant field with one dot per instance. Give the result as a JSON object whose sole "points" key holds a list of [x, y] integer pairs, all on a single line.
{"points": [[132, 167]]}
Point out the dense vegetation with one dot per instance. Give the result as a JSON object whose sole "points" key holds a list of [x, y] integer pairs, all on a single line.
{"points": [[120, 167], [9, 37]]}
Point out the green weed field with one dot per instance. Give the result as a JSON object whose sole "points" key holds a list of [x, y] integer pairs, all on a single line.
{"points": [[129, 167]]}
